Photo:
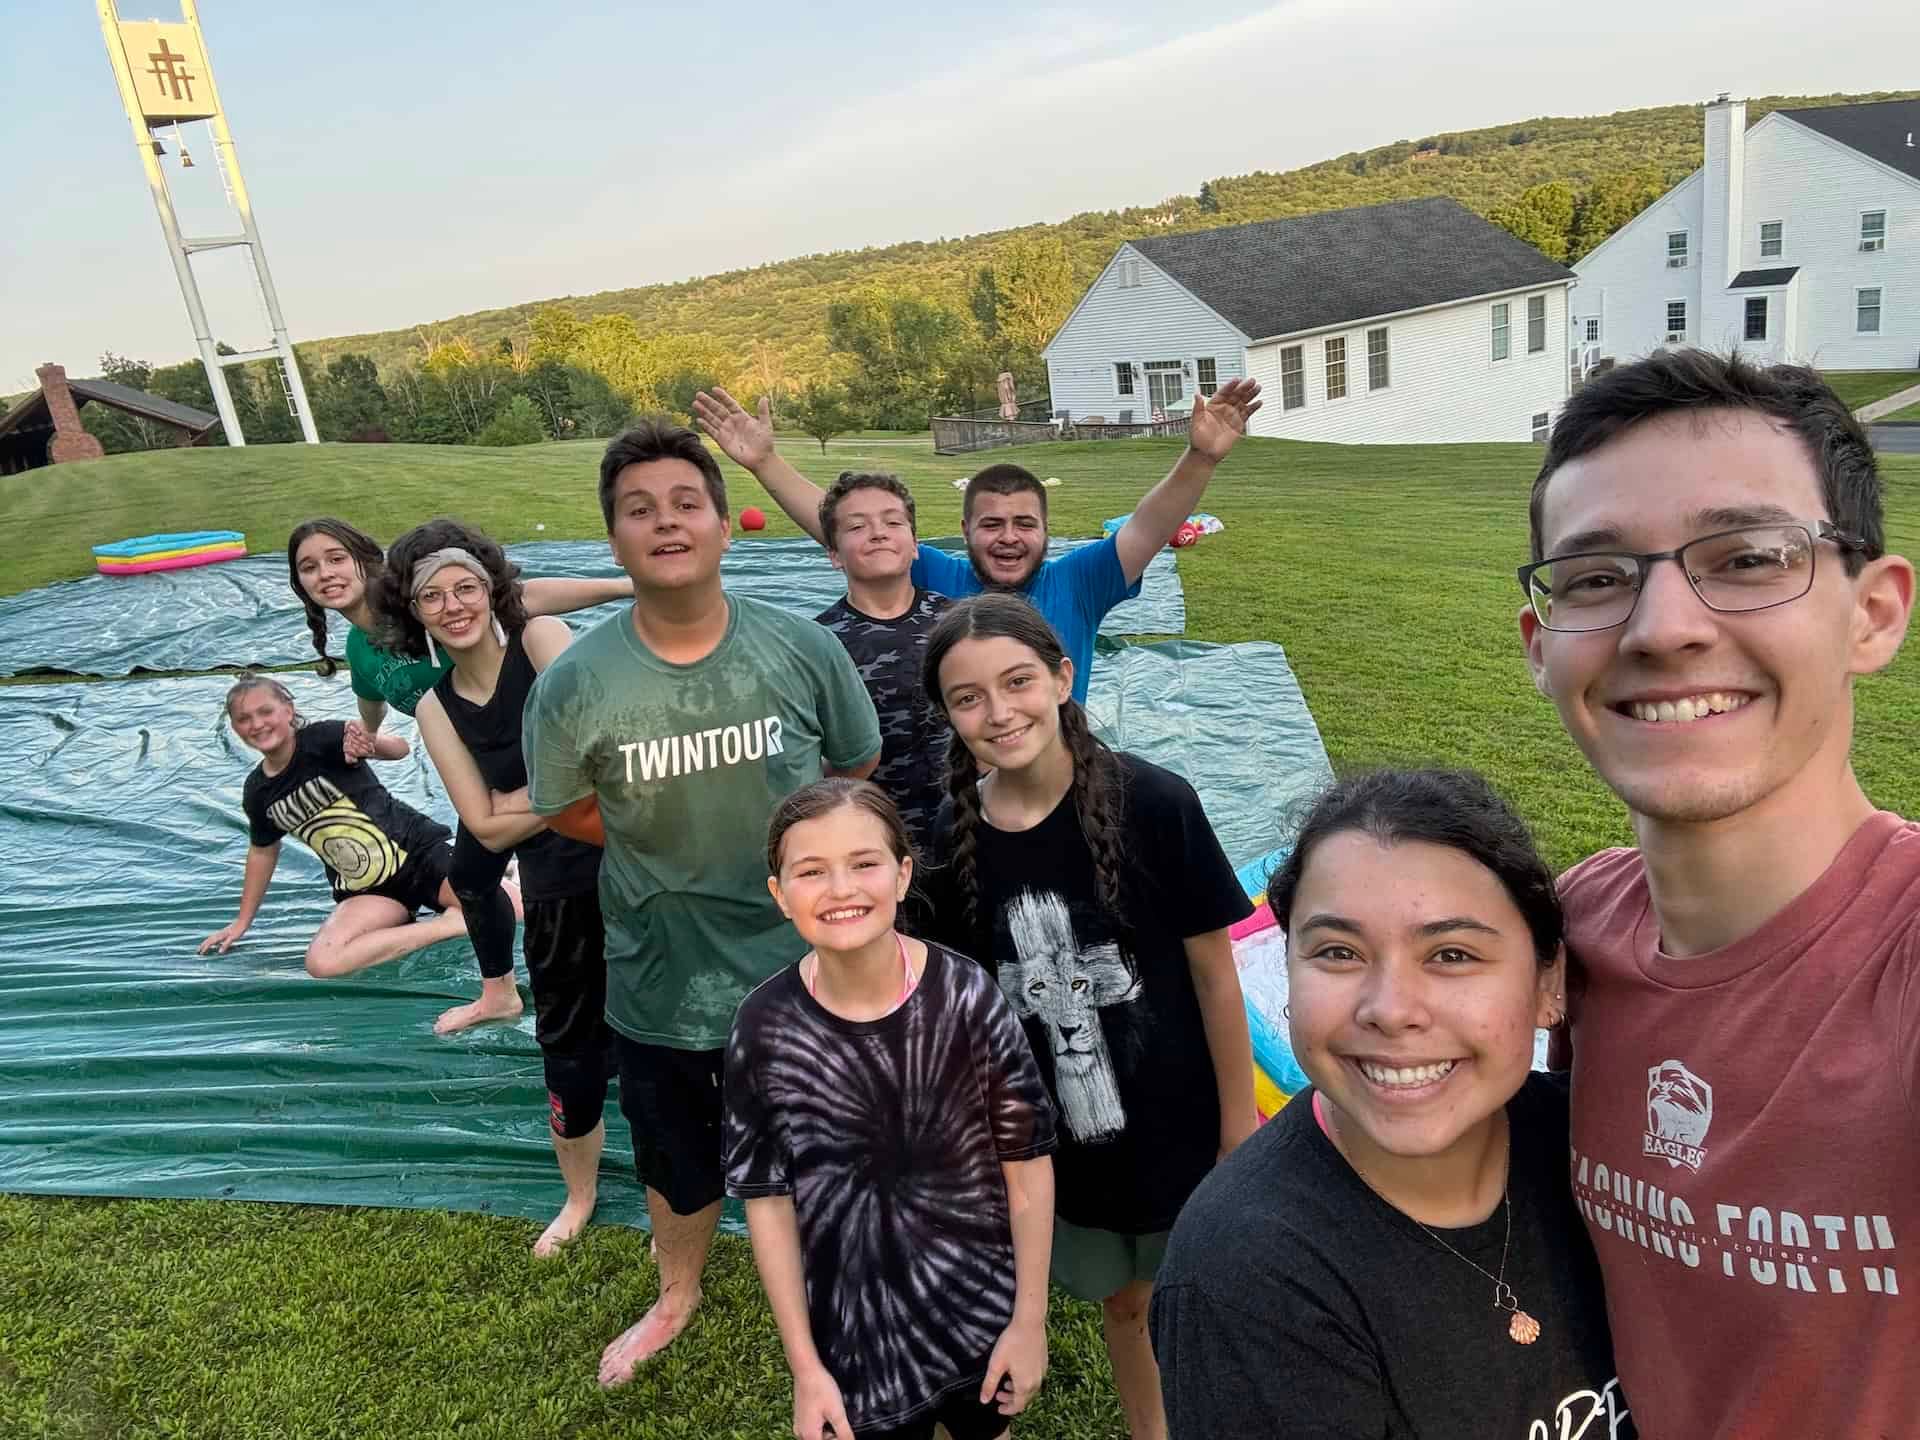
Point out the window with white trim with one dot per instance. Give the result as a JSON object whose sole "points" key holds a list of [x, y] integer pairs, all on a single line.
{"points": [[1502, 330], [1336, 349], [1866, 311], [1293, 377], [1756, 317], [1676, 249], [1536, 324], [1377, 372], [1122, 377], [1206, 374], [1771, 239], [1165, 386], [1593, 327], [1873, 229], [1540, 426], [1676, 320], [1126, 273]]}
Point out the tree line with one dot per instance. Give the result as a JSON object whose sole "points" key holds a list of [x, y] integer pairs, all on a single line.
{"points": [[893, 358]]}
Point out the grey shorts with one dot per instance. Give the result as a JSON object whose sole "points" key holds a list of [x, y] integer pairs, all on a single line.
{"points": [[1094, 1264]]}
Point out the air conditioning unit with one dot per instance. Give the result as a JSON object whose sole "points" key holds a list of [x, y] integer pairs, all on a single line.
{"points": [[1874, 244], [1679, 262], [1675, 337]]}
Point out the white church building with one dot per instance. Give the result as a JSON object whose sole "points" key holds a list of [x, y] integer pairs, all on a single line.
{"points": [[1797, 240]]}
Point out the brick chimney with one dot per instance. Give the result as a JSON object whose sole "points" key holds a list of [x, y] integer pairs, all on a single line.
{"points": [[70, 439]]}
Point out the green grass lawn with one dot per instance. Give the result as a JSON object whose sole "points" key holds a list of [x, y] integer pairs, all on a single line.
{"points": [[1912, 412], [1863, 387], [1386, 572]]}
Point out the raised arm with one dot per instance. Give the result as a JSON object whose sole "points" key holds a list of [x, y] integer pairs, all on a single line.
{"points": [[1216, 426], [471, 796], [775, 1232], [261, 860], [747, 440], [563, 597], [1223, 1016]]}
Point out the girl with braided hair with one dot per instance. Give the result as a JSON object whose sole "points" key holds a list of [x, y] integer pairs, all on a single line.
{"points": [[1091, 884], [334, 567]]}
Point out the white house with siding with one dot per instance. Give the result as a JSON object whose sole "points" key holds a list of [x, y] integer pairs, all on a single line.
{"points": [[1410, 323], [1797, 239]]}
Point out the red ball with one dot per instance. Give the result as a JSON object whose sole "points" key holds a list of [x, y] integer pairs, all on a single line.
{"points": [[1186, 535], [753, 518]]}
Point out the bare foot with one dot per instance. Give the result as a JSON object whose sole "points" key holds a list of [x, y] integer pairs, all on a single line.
{"points": [[640, 1343], [565, 1228], [496, 1002]]}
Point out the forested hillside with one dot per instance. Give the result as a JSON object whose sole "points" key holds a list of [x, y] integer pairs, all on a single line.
{"points": [[886, 336]]}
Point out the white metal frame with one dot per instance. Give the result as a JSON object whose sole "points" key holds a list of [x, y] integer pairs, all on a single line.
{"points": [[1879, 309], [181, 249]]}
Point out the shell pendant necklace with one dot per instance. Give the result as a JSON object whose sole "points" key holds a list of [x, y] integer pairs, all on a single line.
{"points": [[1522, 1328]]}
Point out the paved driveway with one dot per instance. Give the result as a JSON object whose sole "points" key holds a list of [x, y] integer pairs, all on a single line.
{"points": [[1896, 439]]}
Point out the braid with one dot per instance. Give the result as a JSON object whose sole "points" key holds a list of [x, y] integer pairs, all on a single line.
{"points": [[1099, 804], [963, 784], [317, 624]]}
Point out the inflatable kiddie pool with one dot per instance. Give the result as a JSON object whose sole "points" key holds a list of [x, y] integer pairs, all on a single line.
{"points": [[145, 553]]}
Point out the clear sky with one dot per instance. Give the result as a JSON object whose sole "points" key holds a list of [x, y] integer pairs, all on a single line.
{"points": [[414, 159]]}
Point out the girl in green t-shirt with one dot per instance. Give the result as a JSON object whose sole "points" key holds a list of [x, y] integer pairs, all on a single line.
{"points": [[333, 566]]}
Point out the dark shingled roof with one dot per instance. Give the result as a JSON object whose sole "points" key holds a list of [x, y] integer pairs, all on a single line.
{"points": [[1879, 130], [139, 402], [1279, 277], [1761, 279]]}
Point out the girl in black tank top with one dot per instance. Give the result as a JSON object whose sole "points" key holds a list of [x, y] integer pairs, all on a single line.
{"points": [[462, 595]]}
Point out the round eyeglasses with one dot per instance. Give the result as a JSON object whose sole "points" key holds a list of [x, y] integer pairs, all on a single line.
{"points": [[1752, 568]]}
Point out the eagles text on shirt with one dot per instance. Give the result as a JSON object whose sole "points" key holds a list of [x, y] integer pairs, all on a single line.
{"points": [[674, 755]]}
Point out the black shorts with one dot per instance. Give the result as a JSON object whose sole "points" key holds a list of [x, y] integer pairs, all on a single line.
{"points": [[671, 1099], [961, 1412], [417, 884], [565, 941]]}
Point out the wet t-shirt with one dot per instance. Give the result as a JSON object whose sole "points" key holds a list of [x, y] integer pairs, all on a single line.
{"points": [[688, 763], [341, 812], [913, 732], [384, 675], [889, 1135]]}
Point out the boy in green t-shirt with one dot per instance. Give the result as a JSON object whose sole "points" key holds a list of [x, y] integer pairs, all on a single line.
{"points": [[669, 734]]}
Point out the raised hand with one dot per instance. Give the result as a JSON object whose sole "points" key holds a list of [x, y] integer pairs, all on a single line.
{"points": [[744, 438], [1218, 424]]}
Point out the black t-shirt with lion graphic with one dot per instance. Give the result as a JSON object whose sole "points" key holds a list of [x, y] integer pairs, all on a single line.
{"points": [[1107, 1002]]}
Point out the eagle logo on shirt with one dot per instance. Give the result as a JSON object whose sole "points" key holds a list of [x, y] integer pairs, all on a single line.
{"points": [[1679, 1112]]}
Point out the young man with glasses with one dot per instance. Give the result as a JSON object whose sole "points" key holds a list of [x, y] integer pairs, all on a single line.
{"points": [[1709, 577]]}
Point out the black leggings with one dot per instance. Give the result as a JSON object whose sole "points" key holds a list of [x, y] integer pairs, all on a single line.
{"points": [[475, 877]]}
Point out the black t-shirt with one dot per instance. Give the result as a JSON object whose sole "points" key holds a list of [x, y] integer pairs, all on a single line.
{"points": [[1109, 1008], [339, 811], [889, 1135], [913, 732], [552, 867], [1295, 1304]]}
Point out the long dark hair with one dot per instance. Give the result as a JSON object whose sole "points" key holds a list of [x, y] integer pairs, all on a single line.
{"points": [[1454, 808], [400, 629], [1099, 798], [366, 554], [823, 797]]}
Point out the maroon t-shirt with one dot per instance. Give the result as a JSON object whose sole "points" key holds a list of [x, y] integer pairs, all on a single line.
{"points": [[1746, 1150]]}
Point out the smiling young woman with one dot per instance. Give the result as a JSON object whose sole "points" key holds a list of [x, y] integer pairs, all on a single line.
{"points": [[1398, 1254]]}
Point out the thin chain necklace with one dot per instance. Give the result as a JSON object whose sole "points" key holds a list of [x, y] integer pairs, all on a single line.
{"points": [[1522, 1328]]}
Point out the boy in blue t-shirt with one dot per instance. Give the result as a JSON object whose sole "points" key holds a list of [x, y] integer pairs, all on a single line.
{"points": [[1004, 518]]}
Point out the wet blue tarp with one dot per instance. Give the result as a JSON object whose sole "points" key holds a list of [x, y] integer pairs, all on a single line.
{"points": [[242, 612], [131, 1066]]}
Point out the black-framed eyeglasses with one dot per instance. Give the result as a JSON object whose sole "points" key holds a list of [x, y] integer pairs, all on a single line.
{"points": [[1753, 568]]}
